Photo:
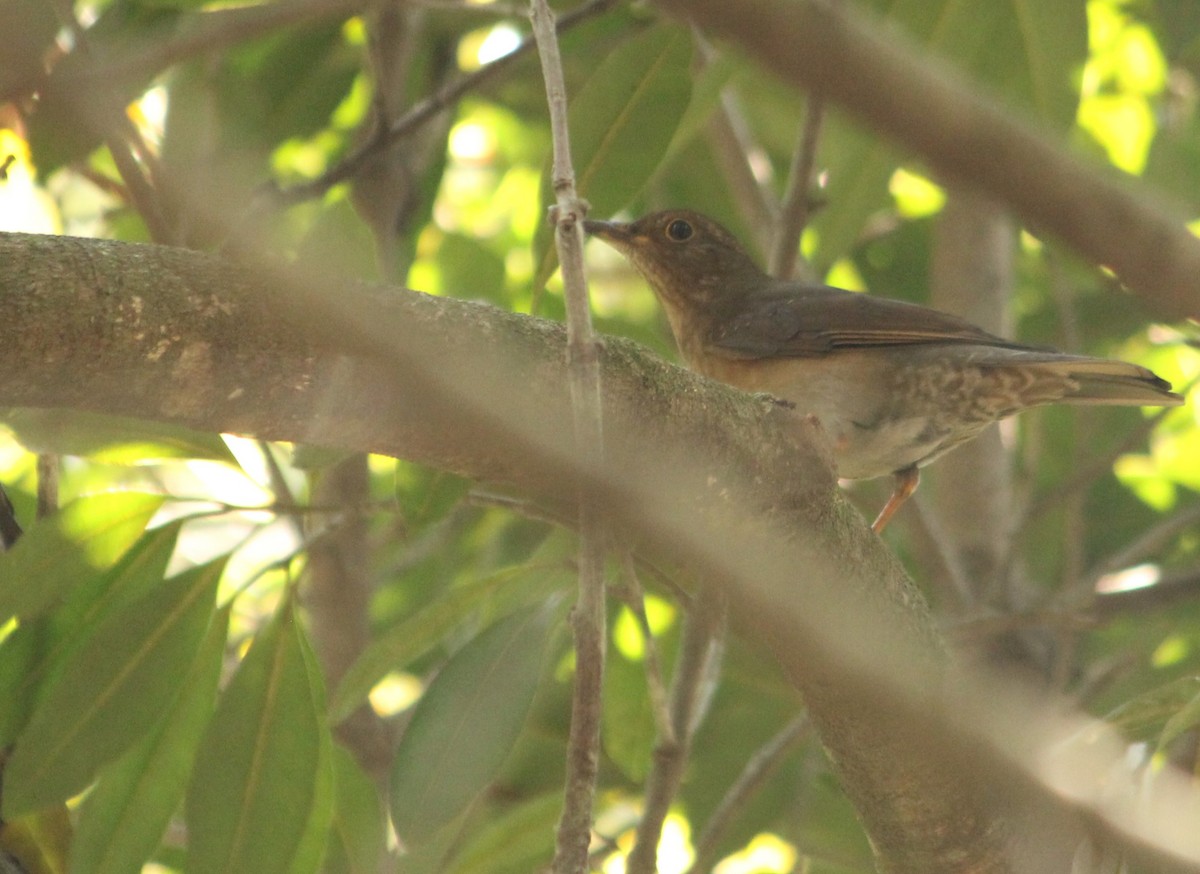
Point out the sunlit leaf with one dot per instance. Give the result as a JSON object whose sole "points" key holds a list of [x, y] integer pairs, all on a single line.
{"points": [[111, 439], [112, 689], [31, 652], [84, 537], [465, 725], [260, 795], [122, 819], [627, 720]]}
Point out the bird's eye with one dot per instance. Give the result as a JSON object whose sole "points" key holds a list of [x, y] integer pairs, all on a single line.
{"points": [[680, 230]]}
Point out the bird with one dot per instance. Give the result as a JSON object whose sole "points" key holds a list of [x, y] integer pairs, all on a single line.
{"points": [[895, 385]]}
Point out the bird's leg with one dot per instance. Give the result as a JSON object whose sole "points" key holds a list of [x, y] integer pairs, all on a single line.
{"points": [[906, 483]]}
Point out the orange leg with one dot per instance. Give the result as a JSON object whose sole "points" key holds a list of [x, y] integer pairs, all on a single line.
{"points": [[906, 483]]}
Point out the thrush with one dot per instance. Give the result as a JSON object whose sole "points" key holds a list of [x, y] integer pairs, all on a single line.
{"points": [[894, 384]]}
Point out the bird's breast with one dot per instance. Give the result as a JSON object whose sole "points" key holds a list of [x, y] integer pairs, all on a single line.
{"points": [[881, 415]]}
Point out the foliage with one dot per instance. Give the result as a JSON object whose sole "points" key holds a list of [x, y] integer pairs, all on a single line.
{"points": [[161, 663]]}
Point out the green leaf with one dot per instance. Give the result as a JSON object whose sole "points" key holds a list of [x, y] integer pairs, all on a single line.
{"points": [[465, 725], [358, 833], [111, 439], [111, 690], [425, 495], [1026, 50], [40, 842], [340, 243], [37, 649], [401, 644], [83, 538], [1148, 716], [1053, 39], [122, 820], [859, 167], [1181, 722], [622, 123], [627, 721], [518, 840], [310, 849], [260, 798], [468, 268], [19, 655]]}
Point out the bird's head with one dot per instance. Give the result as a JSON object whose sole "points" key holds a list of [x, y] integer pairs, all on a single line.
{"points": [[688, 259]]}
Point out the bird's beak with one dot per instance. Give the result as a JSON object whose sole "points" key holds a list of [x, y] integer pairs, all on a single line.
{"points": [[618, 234]]}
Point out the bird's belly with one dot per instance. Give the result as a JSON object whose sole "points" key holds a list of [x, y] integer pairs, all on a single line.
{"points": [[874, 431]]}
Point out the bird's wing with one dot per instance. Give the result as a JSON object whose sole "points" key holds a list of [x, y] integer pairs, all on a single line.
{"points": [[810, 321]]}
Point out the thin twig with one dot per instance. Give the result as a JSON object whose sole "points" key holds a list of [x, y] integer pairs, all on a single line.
{"points": [[1149, 543], [760, 766], [218, 29], [519, 506], [636, 602], [797, 203], [952, 583], [729, 138], [442, 99], [583, 371], [695, 672], [1178, 587], [124, 141], [48, 466]]}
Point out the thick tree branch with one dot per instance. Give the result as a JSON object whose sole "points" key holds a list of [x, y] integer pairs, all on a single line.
{"points": [[698, 472], [897, 91]]}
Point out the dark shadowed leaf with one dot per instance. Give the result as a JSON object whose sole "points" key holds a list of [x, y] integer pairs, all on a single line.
{"points": [[465, 725], [40, 842]]}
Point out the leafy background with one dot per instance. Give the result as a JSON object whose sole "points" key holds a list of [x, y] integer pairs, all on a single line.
{"points": [[174, 694]]}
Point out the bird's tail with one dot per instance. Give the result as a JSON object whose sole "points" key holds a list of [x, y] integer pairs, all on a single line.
{"points": [[1081, 380]]}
